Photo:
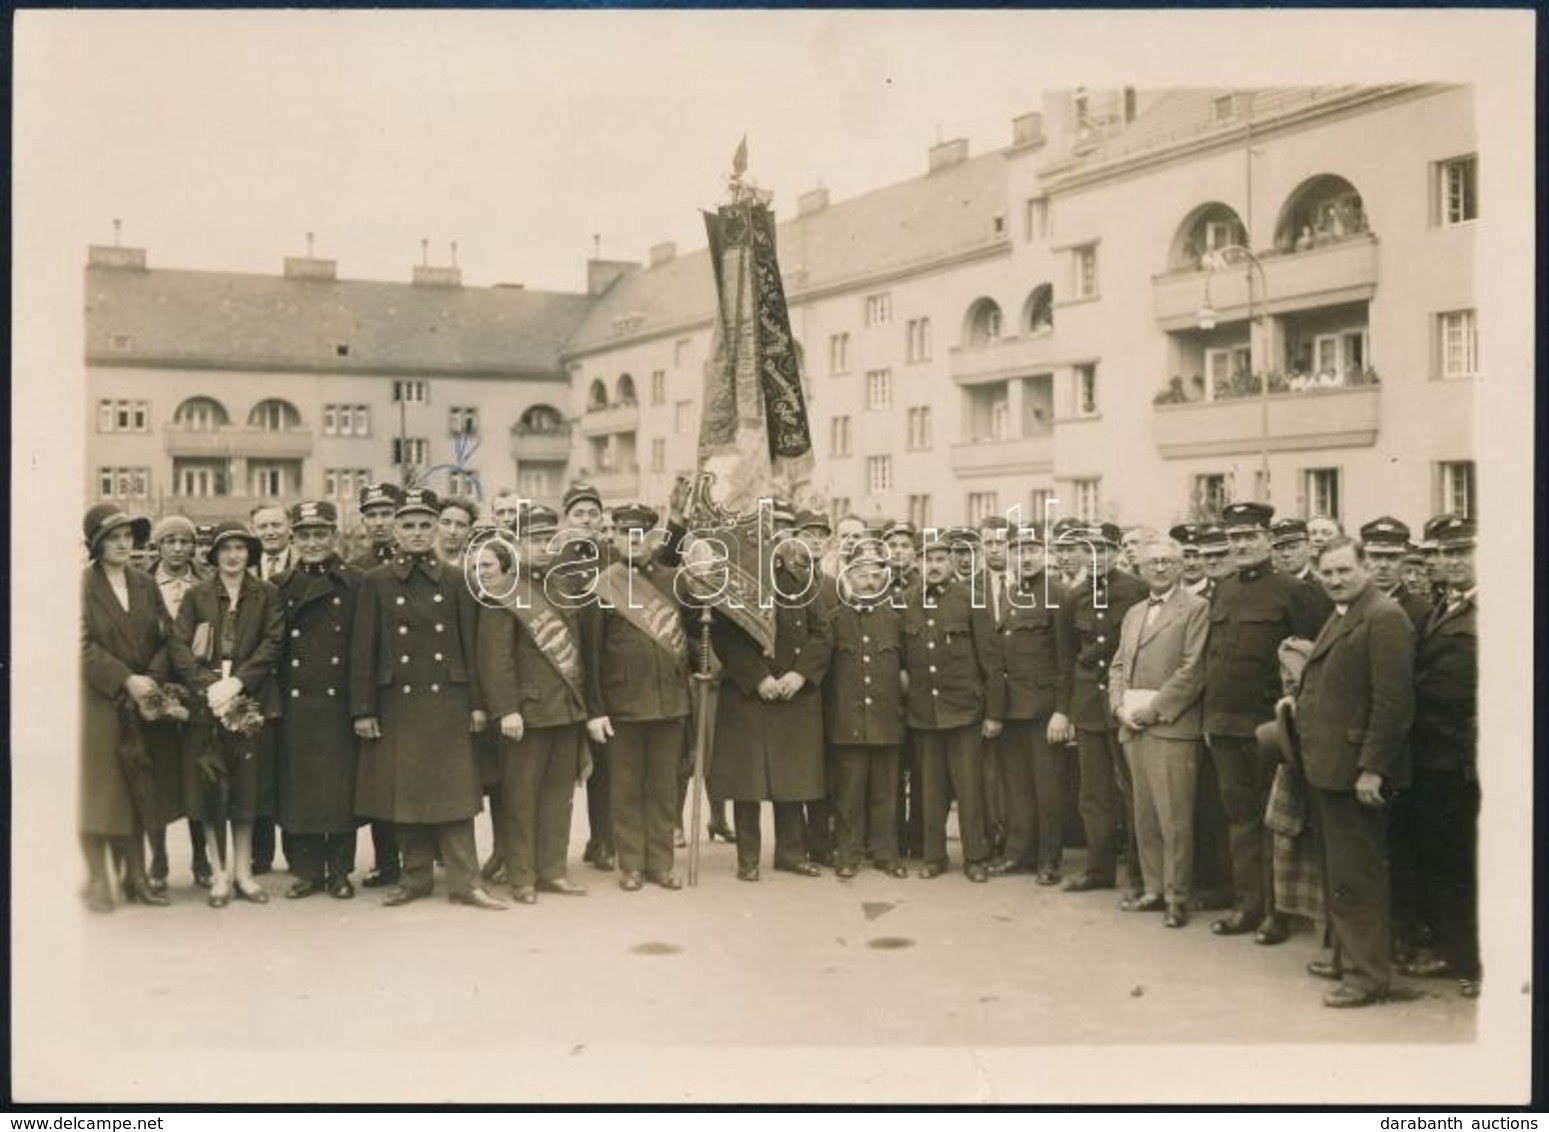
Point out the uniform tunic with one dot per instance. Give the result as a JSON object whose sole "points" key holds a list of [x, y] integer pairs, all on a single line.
{"points": [[1032, 772], [317, 744], [412, 666]]}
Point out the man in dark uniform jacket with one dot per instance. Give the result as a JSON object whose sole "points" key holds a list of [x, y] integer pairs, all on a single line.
{"points": [[1290, 554], [804, 555], [636, 658], [378, 502], [414, 697], [1444, 800], [1354, 708], [1033, 773], [1250, 614], [769, 725], [1212, 840], [1186, 535], [317, 747], [1386, 540], [531, 670], [865, 713], [902, 541], [1087, 636], [956, 701]]}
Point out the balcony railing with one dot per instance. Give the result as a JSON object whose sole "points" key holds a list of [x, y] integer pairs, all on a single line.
{"points": [[618, 485], [1002, 457], [619, 417], [1343, 272], [294, 444], [1318, 418], [1003, 357], [540, 445]]}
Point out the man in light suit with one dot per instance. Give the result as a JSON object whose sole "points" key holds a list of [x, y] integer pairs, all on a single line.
{"points": [[1353, 712], [1154, 685]]}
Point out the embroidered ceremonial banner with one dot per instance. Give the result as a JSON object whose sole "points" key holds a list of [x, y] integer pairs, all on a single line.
{"points": [[646, 608]]}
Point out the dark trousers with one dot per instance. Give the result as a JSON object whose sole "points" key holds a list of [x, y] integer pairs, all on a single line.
{"points": [[1212, 839], [537, 791], [319, 857], [908, 814], [952, 759], [1033, 791], [384, 848], [1245, 774], [818, 815], [866, 783], [599, 796], [263, 842], [996, 804], [453, 841], [1356, 886], [1446, 809], [790, 836], [1107, 806], [1404, 852], [643, 792]]}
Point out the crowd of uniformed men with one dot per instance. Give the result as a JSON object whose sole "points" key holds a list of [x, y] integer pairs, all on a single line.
{"points": [[1262, 717]]}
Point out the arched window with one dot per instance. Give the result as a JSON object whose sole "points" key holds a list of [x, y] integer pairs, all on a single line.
{"points": [[982, 324], [1323, 210], [541, 420], [1038, 312], [274, 415], [1206, 230], [625, 390], [201, 414], [597, 396]]}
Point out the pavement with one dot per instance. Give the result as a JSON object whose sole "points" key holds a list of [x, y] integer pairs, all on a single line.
{"points": [[791, 989]]}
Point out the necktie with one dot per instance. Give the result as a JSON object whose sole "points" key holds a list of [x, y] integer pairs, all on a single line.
{"points": [[1152, 605], [272, 566]]}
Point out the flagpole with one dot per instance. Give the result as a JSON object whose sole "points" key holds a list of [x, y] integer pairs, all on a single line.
{"points": [[701, 740]]}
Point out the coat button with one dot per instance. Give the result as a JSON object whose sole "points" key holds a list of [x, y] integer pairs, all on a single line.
{"points": [[406, 689], [1102, 640], [403, 630], [930, 644], [439, 656], [331, 692], [336, 601], [935, 691], [403, 659], [798, 650], [401, 599], [865, 660], [868, 699], [436, 597], [333, 660], [435, 687], [1102, 664], [931, 621], [295, 632], [933, 668], [866, 679], [295, 663], [440, 628], [295, 693], [865, 640]]}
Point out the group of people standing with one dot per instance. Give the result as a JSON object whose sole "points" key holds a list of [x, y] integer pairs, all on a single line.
{"points": [[1264, 717]]}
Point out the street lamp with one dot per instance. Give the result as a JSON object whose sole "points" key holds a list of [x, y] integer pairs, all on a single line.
{"points": [[1221, 259]]}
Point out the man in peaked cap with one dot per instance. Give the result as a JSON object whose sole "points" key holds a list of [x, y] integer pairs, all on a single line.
{"points": [[1290, 554], [1186, 535], [1387, 543], [1252, 612], [1435, 565], [1215, 557]]}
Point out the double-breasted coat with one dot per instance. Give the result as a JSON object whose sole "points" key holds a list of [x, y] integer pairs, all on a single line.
{"points": [[1086, 637], [771, 750], [413, 667], [115, 644], [317, 745]]}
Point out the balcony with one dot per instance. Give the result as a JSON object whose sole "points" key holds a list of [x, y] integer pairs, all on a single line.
{"points": [[619, 485], [1343, 272], [1319, 418], [619, 417], [1003, 357], [234, 441], [551, 446], [1004, 457]]}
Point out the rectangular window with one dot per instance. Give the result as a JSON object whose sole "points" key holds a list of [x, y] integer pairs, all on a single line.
{"points": [[879, 388], [534, 482], [839, 437], [1209, 497], [1086, 500], [919, 439], [415, 392], [412, 450], [123, 416], [658, 387], [683, 417], [124, 483], [1040, 506], [330, 425], [1457, 190], [879, 309], [1000, 418], [1084, 261], [659, 454], [105, 418], [463, 482], [919, 340], [266, 479], [1226, 371], [1456, 494], [680, 350], [981, 505], [1037, 218], [1457, 344], [1320, 492], [362, 418], [1224, 107], [841, 507], [879, 474], [838, 353], [1086, 390], [463, 420], [919, 511]]}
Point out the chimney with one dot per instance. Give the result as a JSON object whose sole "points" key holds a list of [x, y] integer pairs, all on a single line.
{"points": [[663, 253], [131, 259], [426, 275], [309, 267], [816, 200], [943, 155], [1027, 130], [603, 273]]}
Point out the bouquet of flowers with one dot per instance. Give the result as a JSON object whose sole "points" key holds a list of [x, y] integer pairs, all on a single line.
{"points": [[241, 714], [168, 701]]}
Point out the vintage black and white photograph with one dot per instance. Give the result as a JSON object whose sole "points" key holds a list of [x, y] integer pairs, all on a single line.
{"points": [[585, 557]]}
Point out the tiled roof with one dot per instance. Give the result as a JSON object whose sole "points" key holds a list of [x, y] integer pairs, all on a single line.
{"points": [[231, 320], [946, 213]]}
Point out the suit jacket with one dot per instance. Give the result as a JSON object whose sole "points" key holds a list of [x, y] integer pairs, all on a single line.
{"points": [[1168, 657], [287, 563], [260, 639], [1357, 696], [1446, 730]]}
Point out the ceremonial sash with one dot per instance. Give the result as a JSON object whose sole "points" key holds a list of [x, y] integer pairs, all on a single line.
{"points": [[551, 632], [647, 609]]}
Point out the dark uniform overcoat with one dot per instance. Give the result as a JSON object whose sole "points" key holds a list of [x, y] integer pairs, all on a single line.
{"points": [[1087, 636], [1251, 613]]}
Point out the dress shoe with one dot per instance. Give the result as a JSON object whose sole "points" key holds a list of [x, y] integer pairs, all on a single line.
{"points": [[218, 899], [479, 898], [1177, 916], [800, 868], [827, 858], [203, 877], [340, 888], [154, 883], [669, 881], [678, 840], [604, 859], [1047, 877], [631, 881], [894, 869], [1146, 902], [845, 872], [747, 872], [1324, 969], [1086, 882], [253, 894], [381, 878], [1272, 930], [524, 894], [302, 889], [1345, 996], [494, 870], [1469, 988], [562, 886], [976, 872], [262, 868], [142, 893], [720, 830], [1238, 923], [1005, 868], [399, 896], [932, 870], [1430, 966], [99, 898]]}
